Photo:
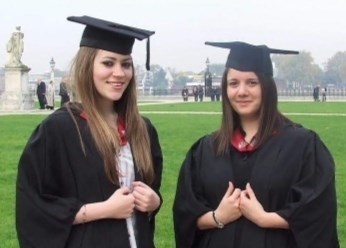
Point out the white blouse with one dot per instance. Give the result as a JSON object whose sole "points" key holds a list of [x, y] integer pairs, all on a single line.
{"points": [[126, 178]]}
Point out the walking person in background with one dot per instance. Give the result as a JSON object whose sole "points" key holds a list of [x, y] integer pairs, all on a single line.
{"points": [[217, 93], [41, 94], [200, 93], [195, 93], [316, 93], [90, 173], [212, 93], [63, 92], [185, 94], [261, 180], [50, 96], [324, 94]]}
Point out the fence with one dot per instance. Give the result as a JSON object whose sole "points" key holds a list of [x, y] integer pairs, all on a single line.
{"points": [[332, 93]]}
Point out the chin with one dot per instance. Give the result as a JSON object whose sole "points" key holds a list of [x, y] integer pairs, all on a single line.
{"points": [[115, 97], [249, 115]]}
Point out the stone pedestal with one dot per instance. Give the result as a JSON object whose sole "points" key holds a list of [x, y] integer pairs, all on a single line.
{"points": [[16, 95]]}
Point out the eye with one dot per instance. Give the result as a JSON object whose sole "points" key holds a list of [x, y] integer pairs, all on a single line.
{"points": [[232, 83], [108, 63], [253, 82], [126, 65]]}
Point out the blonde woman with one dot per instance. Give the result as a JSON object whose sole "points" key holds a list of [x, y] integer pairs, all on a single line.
{"points": [[91, 172]]}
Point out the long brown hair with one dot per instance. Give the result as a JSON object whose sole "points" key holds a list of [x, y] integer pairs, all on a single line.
{"points": [[269, 118], [106, 138]]}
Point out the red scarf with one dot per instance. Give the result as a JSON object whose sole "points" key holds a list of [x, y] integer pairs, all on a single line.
{"points": [[238, 142], [120, 124], [122, 131]]}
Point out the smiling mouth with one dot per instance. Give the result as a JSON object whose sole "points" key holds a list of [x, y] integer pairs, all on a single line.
{"points": [[115, 84]]}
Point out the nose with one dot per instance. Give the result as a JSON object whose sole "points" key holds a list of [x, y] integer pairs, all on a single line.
{"points": [[242, 90], [118, 70]]}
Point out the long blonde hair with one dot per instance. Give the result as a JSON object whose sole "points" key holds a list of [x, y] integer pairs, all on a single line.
{"points": [[106, 138]]}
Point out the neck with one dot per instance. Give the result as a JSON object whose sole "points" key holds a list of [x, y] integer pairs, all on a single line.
{"points": [[109, 114], [250, 127]]}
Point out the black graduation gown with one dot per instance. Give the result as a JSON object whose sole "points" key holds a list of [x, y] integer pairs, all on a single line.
{"points": [[55, 179], [292, 175]]}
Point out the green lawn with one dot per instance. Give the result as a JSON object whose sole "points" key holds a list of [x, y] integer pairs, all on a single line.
{"points": [[177, 133], [285, 107]]}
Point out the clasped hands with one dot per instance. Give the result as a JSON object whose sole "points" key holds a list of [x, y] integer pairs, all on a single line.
{"points": [[124, 201], [236, 203]]}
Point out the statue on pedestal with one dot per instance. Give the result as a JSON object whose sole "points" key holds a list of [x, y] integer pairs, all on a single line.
{"points": [[15, 48], [16, 95]]}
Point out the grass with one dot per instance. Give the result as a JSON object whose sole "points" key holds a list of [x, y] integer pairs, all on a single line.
{"points": [[177, 133], [15, 131], [285, 107]]}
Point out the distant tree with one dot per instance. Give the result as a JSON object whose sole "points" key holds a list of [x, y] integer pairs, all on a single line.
{"points": [[335, 71], [298, 69], [217, 69], [180, 80], [159, 78]]}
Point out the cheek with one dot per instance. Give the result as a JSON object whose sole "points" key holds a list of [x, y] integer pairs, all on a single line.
{"points": [[259, 95], [230, 94], [129, 74], [101, 73]]}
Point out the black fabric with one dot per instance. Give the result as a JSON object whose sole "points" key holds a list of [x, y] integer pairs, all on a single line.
{"points": [[41, 94], [292, 175], [55, 179], [247, 57], [111, 36], [65, 97], [98, 38]]}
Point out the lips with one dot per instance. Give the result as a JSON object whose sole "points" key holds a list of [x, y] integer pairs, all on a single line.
{"points": [[243, 102], [116, 85]]}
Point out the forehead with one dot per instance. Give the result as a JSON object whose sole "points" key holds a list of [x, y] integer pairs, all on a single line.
{"points": [[233, 73], [108, 54]]}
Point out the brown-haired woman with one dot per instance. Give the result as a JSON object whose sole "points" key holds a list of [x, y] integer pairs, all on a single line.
{"points": [[260, 180]]}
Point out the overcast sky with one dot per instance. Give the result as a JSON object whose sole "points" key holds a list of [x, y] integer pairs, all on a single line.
{"points": [[182, 27]]}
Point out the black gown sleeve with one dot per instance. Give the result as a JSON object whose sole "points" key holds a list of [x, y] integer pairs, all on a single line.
{"points": [[312, 208], [44, 211], [157, 159], [188, 203]]}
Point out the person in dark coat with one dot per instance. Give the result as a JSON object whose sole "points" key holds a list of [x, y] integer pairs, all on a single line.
{"points": [[212, 93], [64, 95], [41, 94], [200, 93], [261, 180], [195, 93], [90, 173], [316, 94], [217, 93], [185, 94]]}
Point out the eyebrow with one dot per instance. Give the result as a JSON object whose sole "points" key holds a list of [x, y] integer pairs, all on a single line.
{"points": [[114, 58]]}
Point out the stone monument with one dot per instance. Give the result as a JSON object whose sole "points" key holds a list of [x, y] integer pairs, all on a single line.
{"points": [[16, 95]]}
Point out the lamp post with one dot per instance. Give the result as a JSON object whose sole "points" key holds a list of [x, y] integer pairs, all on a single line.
{"points": [[207, 79], [51, 83], [52, 65]]}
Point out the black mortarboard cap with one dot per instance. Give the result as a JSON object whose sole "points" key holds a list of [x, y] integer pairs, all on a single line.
{"points": [[247, 57], [111, 36]]}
